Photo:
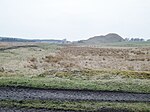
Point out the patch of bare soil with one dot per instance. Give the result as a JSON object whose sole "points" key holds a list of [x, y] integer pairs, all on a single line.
{"points": [[16, 93], [15, 109]]}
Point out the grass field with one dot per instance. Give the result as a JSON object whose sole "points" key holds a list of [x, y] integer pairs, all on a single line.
{"points": [[78, 67], [123, 44]]}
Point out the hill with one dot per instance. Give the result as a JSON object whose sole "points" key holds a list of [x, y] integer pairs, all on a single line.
{"points": [[109, 38]]}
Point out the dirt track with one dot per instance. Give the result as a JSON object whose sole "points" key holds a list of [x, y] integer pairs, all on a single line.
{"points": [[21, 93], [6, 109], [15, 109]]}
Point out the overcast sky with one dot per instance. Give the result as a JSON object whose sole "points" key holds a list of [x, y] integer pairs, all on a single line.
{"points": [[74, 19]]}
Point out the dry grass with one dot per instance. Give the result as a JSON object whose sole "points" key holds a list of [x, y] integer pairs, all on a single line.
{"points": [[136, 59], [25, 61], [35, 61], [53, 59]]}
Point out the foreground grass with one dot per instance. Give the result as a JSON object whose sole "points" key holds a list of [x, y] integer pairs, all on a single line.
{"points": [[76, 105], [128, 85], [128, 81]]}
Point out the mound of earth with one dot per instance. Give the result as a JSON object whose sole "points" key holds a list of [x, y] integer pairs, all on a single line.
{"points": [[109, 38]]}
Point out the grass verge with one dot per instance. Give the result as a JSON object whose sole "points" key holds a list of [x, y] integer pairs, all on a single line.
{"points": [[127, 85], [77, 105]]}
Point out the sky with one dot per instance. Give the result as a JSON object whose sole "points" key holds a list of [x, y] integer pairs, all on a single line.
{"points": [[74, 19]]}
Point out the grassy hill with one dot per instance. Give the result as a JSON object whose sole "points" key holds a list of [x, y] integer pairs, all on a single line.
{"points": [[109, 38]]}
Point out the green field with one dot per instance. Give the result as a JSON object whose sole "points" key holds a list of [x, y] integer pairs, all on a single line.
{"points": [[88, 79]]}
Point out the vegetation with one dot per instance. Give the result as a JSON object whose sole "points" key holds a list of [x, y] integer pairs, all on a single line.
{"points": [[129, 44], [109, 38], [88, 74], [71, 81], [9, 39], [75, 67], [72, 68], [77, 105]]}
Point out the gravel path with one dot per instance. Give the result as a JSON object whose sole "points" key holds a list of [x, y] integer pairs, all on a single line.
{"points": [[19, 93]]}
